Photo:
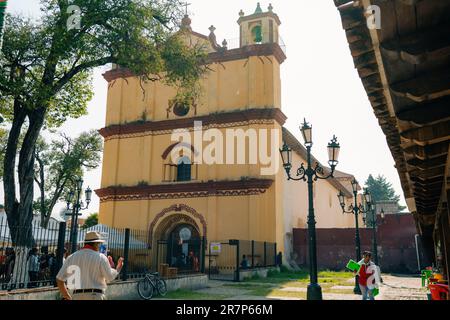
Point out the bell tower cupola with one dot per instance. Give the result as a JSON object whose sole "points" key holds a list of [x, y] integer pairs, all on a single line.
{"points": [[260, 27]]}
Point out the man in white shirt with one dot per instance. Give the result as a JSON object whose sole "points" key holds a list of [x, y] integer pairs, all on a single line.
{"points": [[87, 271]]}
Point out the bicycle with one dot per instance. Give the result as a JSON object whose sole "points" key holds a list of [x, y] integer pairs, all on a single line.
{"points": [[150, 283]]}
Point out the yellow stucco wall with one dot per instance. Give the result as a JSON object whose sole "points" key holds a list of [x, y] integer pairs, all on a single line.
{"points": [[229, 86]]}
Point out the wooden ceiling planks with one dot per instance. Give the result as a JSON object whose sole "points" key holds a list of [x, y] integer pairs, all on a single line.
{"points": [[414, 43]]}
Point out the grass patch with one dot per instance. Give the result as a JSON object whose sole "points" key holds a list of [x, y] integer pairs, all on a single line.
{"points": [[339, 291], [287, 294], [260, 292], [244, 285], [192, 295]]}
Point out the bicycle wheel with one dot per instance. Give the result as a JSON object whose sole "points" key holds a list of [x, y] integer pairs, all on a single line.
{"points": [[162, 287], [145, 289]]}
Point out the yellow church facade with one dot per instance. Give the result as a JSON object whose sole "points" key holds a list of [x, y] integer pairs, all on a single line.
{"points": [[152, 182]]}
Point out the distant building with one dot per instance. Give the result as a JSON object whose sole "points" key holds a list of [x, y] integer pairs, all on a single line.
{"points": [[388, 207]]}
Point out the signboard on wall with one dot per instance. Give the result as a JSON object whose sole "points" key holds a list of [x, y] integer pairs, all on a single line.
{"points": [[215, 248]]}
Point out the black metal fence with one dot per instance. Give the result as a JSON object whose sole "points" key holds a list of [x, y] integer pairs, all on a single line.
{"points": [[37, 262], [28, 265], [226, 259], [175, 258]]}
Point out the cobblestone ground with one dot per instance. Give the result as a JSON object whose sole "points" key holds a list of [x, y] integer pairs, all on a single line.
{"points": [[394, 287]]}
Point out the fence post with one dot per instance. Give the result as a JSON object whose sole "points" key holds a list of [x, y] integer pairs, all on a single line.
{"points": [[157, 258], [125, 255], [253, 254], [60, 248], [237, 274], [265, 254], [275, 254], [203, 257]]}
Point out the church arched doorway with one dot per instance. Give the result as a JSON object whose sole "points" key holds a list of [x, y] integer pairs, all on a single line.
{"points": [[179, 233], [184, 247]]}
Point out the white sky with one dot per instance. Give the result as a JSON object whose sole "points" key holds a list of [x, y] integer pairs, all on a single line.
{"points": [[319, 82]]}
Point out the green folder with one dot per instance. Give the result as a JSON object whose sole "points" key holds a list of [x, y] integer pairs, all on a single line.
{"points": [[353, 265], [375, 292]]}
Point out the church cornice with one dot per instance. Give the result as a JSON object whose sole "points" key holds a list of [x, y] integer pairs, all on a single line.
{"points": [[226, 119], [266, 49], [259, 16], [185, 190]]}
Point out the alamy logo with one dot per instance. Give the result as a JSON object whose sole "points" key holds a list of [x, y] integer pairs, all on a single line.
{"points": [[374, 280], [373, 17], [231, 147], [74, 279], [74, 20]]}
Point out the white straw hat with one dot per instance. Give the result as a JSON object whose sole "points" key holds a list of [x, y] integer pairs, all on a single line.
{"points": [[93, 236]]}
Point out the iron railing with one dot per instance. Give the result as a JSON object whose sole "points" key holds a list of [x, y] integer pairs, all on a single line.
{"points": [[37, 260]]}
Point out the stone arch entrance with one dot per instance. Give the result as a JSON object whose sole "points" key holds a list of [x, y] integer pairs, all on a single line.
{"points": [[177, 237]]}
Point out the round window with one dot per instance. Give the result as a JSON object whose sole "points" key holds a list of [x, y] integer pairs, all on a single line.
{"points": [[185, 234], [181, 109]]}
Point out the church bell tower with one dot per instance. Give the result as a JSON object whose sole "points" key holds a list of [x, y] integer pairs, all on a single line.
{"points": [[260, 27]]}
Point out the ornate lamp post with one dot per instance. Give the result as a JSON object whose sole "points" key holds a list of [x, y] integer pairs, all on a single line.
{"points": [[356, 209], [374, 223], [311, 174], [77, 206]]}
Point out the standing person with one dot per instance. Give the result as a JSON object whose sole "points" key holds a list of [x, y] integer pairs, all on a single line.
{"points": [[367, 270], [87, 271], [9, 262], [279, 259], [193, 262], [33, 267], [244, 262], [111, 259], [2, 263]]}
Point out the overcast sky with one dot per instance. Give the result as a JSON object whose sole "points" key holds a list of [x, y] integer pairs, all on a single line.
{"points": [[319, 82]]}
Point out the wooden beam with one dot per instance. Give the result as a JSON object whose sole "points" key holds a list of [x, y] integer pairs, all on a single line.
{"points": [[428, 151], [429, 163], [424, 87], [430, 134], [420, 47], [352, 16], [431, 173], [426, 113]]}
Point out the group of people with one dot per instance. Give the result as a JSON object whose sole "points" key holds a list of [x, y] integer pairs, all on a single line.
{"points": [[41, 265], [245, 264], [7, 259], [190, 262]]}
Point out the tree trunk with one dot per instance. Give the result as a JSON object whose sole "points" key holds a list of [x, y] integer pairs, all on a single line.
{"points": [[9, 167], [20, 224]]}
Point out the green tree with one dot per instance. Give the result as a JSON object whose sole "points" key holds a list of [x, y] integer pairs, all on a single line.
{"points": [[46, 74], [91, 221], [3, 5], [381, 189], [59, 164]]}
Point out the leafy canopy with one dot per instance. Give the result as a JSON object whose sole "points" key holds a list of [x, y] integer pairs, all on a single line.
{"points": [[46, 65], [381, 189]]}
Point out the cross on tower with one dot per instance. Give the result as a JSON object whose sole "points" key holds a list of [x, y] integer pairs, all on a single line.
{"points": [[187, 5]]}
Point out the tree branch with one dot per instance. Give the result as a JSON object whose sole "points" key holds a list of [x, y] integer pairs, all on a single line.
{"points": [[80, 68]]}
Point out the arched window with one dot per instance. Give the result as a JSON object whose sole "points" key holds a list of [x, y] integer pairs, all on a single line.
{"points": [[184, 169]]}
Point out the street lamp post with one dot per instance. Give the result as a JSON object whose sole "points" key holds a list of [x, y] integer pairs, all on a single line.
{"points": [[310, 174], [356, 209], [77, 206], [374, 223]]}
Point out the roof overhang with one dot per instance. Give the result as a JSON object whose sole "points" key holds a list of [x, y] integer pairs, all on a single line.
{"points": [[405, 69]]}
